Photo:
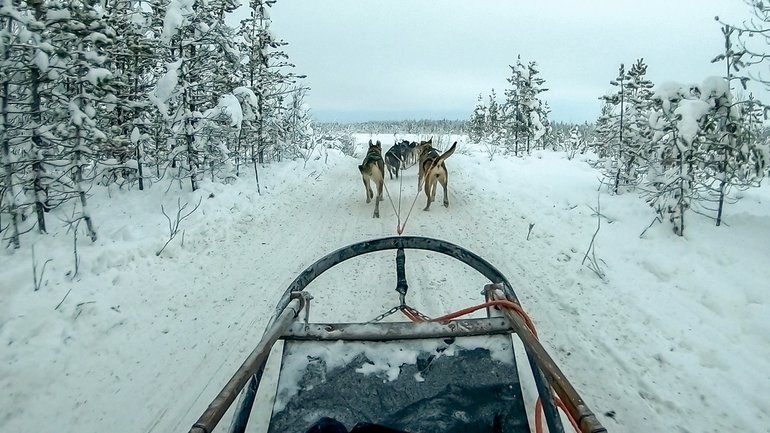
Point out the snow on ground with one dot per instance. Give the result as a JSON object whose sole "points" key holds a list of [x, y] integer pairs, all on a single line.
{"points": [[675, 338]]}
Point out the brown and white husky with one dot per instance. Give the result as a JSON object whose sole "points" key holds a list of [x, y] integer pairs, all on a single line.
{"points": [[432, 169]]}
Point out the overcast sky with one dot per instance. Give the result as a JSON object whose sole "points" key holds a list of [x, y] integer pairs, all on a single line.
{"points": [[397, 59]]}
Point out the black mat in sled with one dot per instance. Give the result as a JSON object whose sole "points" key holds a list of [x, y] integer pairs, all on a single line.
{"points": [[451, 388]]}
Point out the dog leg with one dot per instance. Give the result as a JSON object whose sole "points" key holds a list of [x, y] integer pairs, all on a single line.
{"points": [[367, 190], [378, 200], [419, 178], [427, 194], [433, 185], [444, 182]]}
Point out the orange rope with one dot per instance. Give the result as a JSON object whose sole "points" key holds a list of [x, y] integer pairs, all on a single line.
{"points": [[539, 415], [497, 303]]}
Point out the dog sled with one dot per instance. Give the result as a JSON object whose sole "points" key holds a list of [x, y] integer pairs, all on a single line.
{"points": [[448, 374]]}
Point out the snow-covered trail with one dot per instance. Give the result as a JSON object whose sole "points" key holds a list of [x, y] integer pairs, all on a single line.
{"points": [[142, 344]]}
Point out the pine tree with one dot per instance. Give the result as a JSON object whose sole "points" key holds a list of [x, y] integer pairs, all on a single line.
{"points": [[35, 87], [524, 116], [532, 107], [203, 46], [669, 179], [264, 74], [494, 130], [690, 147], [512, 110], [477, 122], [548, 139], [615, 129], [639, 105], [298, 122], [606, 132], [733, 158], [87, 38], [133, 60], [576, 142], [11, 20], [249, 106], [622, 130]]}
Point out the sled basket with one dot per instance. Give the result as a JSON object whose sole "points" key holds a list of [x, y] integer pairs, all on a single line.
{"points": [[447, 383], [446, 375]]}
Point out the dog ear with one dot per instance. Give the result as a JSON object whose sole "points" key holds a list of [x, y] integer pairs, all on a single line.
{"points": [[379, 144], [370, 142]]}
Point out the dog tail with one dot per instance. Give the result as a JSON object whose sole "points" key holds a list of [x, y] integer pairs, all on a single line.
{"points": [[445, 155]]}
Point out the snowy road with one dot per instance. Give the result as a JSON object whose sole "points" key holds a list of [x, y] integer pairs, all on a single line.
{"points": [[142, 343]]}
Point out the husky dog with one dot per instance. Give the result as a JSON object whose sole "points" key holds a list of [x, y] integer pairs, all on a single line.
{"points": [[413, 153], [373, 168], [432, 169], [396, 156]]}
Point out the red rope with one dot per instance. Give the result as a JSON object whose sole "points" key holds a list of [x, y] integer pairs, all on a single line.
{"points": [[496, 303], [539, 415]]}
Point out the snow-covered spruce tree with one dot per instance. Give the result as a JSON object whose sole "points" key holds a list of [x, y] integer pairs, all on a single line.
{"points": [[733, 158], [218, 129], [532, 107], [676, 122], [133, 59], [633, 159], [752, 121], [249, 104], [548, 140], [615, 131], [606, 131], [560, 135], [83, 41], [32, 87], [494, 130], [219, 137], [753, 40], [692, 147], [264, 73], [622, 130], [10, 20], [477, 122], [298, 121], [700, 150], [512, 111], [524, 114], [575, 143], [22, 184], [196, 36]]}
